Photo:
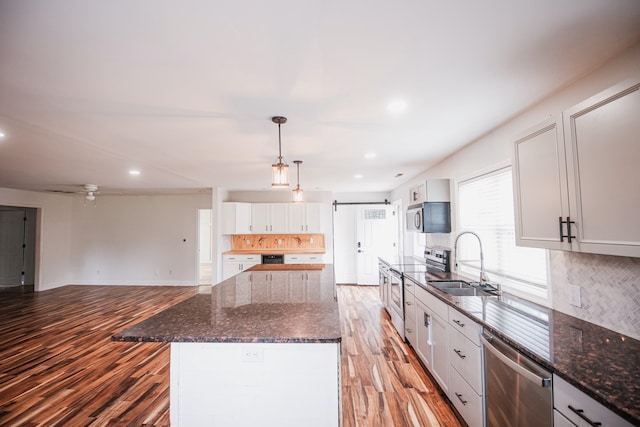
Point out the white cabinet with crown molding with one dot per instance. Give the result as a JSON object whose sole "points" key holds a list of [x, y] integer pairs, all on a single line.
{"points": [[575, 177]]}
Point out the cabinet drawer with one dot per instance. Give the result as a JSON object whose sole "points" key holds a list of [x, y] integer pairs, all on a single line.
{"points": [[466, 358], [468, 327], [409, 287], [409, 305], [304, 258], [437, 307], [468, 403], [566, 396], [243, 258]]}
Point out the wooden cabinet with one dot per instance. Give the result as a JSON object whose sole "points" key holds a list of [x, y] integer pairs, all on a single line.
{"points": [[431, 319], [573, 407], [575, 176], [269, 218], [304, 258], [304, 217], [236, 218], [234, 264]]}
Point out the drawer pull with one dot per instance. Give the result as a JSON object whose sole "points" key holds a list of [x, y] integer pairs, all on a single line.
{"points": [[409, 331], [459, 396], [408, 303], [459, 323], [459, 353], [580, 413]]}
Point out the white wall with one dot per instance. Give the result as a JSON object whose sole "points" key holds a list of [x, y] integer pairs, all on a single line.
{"points": [[494, 149], [146, 240], [53, 234]]}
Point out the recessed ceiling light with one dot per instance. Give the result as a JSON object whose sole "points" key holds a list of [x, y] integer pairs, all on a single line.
{"points": [[370, 156], [397, 106], [2, 134], [134, 172], [358, 176]]}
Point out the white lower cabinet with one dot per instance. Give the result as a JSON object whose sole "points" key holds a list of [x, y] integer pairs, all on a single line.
{"points": [[410, 333], [574, 408], [466, 387], [468, 403], [304, 258], [431, 315], [234, 264]]}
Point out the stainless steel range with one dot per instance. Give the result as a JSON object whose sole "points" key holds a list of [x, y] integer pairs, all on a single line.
{"points": [[438, 259]]}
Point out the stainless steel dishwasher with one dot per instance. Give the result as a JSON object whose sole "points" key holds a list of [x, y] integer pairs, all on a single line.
{"points": [[517, 390]]}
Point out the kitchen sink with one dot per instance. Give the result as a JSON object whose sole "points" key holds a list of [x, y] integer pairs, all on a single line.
{"points": [[460, 288], [467, 292], [450, 284]]}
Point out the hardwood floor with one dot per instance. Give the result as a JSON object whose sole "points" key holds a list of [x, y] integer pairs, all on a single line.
{"points": [[58, 366], [383, 384]]}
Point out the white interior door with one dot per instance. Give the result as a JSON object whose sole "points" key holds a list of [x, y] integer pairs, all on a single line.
{"points": [[376, 236], [345, 243], [12, 225]]}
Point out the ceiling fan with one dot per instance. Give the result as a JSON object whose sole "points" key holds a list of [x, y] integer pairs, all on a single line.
{"points": [[88, 190]]}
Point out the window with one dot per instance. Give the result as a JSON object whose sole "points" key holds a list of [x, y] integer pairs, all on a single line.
{"points": [[485, 206]]}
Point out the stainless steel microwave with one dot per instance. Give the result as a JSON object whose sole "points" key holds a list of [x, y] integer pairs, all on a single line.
{"points": [[429, 217]]}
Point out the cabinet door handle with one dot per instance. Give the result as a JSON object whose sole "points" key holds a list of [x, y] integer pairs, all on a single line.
{"points": [[459, 396], [580, 413], [409, 331], [568, 235], [459, 353], [408, 303], [426, 319], [459, 323]]}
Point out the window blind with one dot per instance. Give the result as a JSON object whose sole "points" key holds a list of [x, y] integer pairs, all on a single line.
{"points": [[485, 206]]}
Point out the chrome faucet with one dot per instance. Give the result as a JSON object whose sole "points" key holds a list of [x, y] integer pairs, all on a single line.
{"points": [[483, 277]]}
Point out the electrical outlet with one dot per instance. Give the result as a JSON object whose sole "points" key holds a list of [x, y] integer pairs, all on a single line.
{"points": [[251, 354], [574, 295]]}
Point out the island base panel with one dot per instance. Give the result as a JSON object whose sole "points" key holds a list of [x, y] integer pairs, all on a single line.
{"points": [[255, 384]]}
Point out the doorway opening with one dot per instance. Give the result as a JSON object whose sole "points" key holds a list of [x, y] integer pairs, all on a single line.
{"points": [[205, 237], [362, 233], [17, 248]]}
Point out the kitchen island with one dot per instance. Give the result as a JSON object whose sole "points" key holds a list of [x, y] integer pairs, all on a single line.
{"points": [[262, 348]]}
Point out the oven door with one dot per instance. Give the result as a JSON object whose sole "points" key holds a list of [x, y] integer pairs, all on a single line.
{"points": [[396, 301]]}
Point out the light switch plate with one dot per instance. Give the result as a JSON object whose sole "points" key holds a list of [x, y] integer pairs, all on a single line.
{"points": [[574, 295]]}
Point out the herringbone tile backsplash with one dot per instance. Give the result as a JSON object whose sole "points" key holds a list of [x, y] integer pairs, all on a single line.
{"points": [[610, 289]]}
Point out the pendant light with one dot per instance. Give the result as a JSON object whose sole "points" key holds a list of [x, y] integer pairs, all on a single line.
{"points": [[297, 193], [279, 170]]}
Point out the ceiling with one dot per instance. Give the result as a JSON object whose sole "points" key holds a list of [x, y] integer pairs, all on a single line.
{"points": [[184, 91]]}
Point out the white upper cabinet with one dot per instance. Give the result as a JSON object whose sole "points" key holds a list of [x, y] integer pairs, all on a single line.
{"points": [[603, 149], [236, 218], [576, 177], [269, 217], [540, 186], [305, 217]]}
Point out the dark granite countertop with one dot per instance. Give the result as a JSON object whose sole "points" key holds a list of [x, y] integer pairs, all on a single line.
{"points": [[278, 305], [602, 363]]}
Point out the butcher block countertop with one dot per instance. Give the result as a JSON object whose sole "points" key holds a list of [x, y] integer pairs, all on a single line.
{"points": [[269, 303]]}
